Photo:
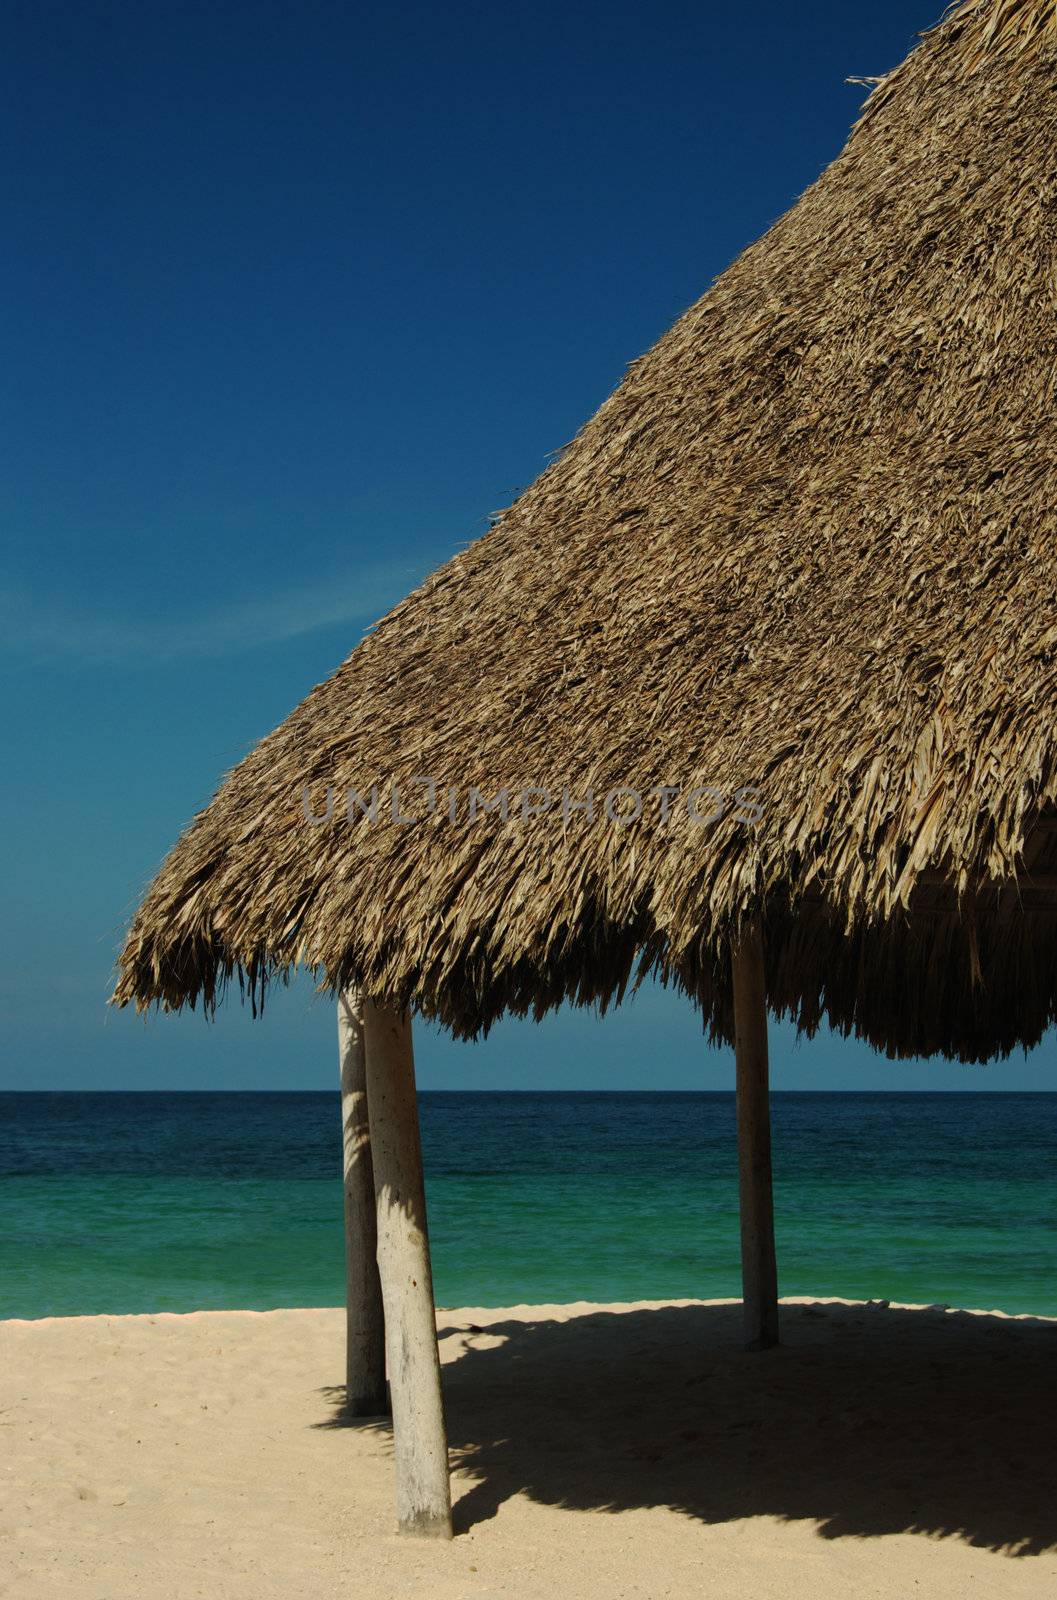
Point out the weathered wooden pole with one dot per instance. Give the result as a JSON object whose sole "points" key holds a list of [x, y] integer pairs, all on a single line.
{"points": [[423, 1490], [759, 1273], [365, 1392]]}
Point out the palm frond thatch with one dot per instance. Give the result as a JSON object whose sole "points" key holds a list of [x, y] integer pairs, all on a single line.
{"points": [[809, 545]]}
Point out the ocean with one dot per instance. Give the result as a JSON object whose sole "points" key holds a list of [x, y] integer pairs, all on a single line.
{"points": [[174, 1202]]}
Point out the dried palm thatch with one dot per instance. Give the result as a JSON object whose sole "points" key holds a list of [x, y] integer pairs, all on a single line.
{"points": [[809, 545]]}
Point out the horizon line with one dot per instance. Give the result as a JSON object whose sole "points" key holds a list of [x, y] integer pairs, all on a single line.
{"points": [[596, 1089]]}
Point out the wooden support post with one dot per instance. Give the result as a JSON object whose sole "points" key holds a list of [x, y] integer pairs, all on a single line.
{"points": [[758, 1270], [423, 1490], [365, 1391]]}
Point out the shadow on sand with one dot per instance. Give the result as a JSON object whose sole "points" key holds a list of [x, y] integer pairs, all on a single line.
{"points": [[868, 1420]]}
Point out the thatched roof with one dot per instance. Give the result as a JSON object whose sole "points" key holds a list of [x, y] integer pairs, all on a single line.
{"points": [[809, 545]]}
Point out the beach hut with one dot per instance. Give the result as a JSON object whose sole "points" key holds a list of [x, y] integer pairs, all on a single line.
{"points": [[752, 690]]}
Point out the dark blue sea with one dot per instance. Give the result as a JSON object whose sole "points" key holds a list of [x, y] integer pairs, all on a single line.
{"points": [[148, 1202]]}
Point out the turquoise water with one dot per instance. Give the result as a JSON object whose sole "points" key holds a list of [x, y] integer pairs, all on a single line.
{"points": [[147, 1202]]}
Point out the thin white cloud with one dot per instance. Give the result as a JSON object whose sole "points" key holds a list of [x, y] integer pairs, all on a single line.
{"points": [[30, 626]]}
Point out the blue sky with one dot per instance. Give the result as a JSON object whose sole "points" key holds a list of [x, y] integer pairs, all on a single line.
{"points": [[294, 297]]}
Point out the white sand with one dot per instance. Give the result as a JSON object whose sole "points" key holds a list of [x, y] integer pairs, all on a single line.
{"points": [[598, 1451]]}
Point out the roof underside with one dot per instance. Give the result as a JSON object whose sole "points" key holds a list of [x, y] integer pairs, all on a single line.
{"points": [[807, 546]]}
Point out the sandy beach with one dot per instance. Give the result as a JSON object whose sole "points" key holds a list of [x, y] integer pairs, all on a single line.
{"points": [[597, 1451]]}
